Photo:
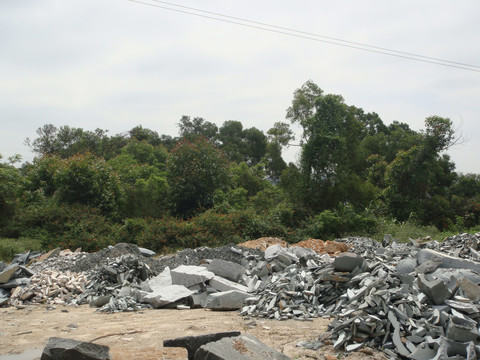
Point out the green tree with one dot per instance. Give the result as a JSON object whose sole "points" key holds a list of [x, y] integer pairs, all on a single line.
{"points": [[195, 169], [87, 179], [197, 126], [329, 162], [11, 185]]}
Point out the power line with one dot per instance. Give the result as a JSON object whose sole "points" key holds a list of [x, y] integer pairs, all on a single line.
{"points": [[310, 36], [313, 34]]}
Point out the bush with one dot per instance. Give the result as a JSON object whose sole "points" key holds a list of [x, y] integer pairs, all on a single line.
{"points": [[10, 247], [344, 221], [66, 226]]}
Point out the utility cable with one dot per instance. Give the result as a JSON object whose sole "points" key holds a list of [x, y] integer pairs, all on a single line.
{"points": [[308, 36]]}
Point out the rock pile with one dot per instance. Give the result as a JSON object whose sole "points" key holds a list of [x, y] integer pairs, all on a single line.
{"points": [[419, 300]]}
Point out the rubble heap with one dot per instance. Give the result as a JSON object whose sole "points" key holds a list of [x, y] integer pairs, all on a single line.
{"points": [[417, 300]]}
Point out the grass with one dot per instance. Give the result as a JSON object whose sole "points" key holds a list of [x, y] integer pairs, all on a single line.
{"points": [[10, 247]]}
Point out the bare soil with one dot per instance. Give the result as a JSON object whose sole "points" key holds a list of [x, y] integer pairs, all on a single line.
{"points": [[140, 335]]}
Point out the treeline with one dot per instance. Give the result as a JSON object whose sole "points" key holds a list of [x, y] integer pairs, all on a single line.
{"points": [[215, 185]]}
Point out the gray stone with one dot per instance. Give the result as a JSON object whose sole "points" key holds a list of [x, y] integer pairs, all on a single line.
{"points": [[447, 260], [147, 252], [68, 349], [423, 352], [161, 280], [226, 269], [15, 282], [347, 262], [193, 343], [446, 274], [189, 275], [162, 296], [274, 251], [2, 266], [406, 266], [301, 252], [459, 329], [222, 284], [470, 290], [198, 300], [100, 301], [435, 290], [8, 273], [244, 347], [429, 266], [226, 300]]}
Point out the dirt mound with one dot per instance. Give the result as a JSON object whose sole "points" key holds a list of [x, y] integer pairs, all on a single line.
{"points": [[263, 243], [323, 247]]}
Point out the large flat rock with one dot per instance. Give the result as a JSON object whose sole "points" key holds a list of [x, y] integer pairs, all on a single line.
{"points": [[68, 349], [226, 269], [226, 300], [243, 347], [193, 343], [162, 296], [447, 261], [189, 275]]}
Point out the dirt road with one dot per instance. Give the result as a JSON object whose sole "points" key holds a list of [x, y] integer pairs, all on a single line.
{"points": [[140, 335]]}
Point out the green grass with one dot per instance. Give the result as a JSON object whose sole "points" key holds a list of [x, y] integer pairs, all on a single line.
{"points": [[10, 247], [404, 231]]}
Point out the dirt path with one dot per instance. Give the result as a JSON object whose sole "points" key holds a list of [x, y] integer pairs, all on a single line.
{"points": [[140, 335]]}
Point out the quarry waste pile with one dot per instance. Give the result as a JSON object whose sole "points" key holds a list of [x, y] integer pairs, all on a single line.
{"points": [[417, 300]]}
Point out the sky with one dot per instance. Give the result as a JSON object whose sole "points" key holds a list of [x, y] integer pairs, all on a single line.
{"points": [[117, 64]]}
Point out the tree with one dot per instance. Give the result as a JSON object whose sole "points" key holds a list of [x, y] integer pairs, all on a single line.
{"points": [[11, 185], [86, 179], [195, 169], [332, 134], [198, 126], [420, 174]]}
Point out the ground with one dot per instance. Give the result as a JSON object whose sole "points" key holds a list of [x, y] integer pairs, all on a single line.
{"points": [[140, 335]]}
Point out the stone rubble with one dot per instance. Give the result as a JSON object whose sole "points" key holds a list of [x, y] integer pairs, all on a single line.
{"points": [[417, 300]]}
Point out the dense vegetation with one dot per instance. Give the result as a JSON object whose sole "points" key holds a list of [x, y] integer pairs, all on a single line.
{"points": [[212, 186]]}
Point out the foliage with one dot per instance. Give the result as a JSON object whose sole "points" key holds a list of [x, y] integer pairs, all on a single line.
{"points": [[11, 184], [10, 247], [215, 185], [344, 221], [86, 179], [195, 169]]}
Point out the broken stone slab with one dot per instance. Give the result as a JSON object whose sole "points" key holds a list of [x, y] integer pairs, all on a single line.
{"points": [[189, 275], [68, 349], [198, 300], [275, 251], [8, 273], [461, 329], [407, 265], [100, 301], [447, 260], [436, 290], [226, 269], [347, 262], [446, 274], [243, 347], [161, 280], [226, 300], [147, 252], [222, 284], [470, 289], [193, 343], [163, 296], [15, 283], [429, 266]]}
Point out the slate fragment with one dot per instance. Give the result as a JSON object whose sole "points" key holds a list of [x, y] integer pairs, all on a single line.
{"points": [[193, 343], [68, 349]]}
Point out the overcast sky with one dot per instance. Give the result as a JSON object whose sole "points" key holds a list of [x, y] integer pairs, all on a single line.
{"points": [[118, 64]]}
